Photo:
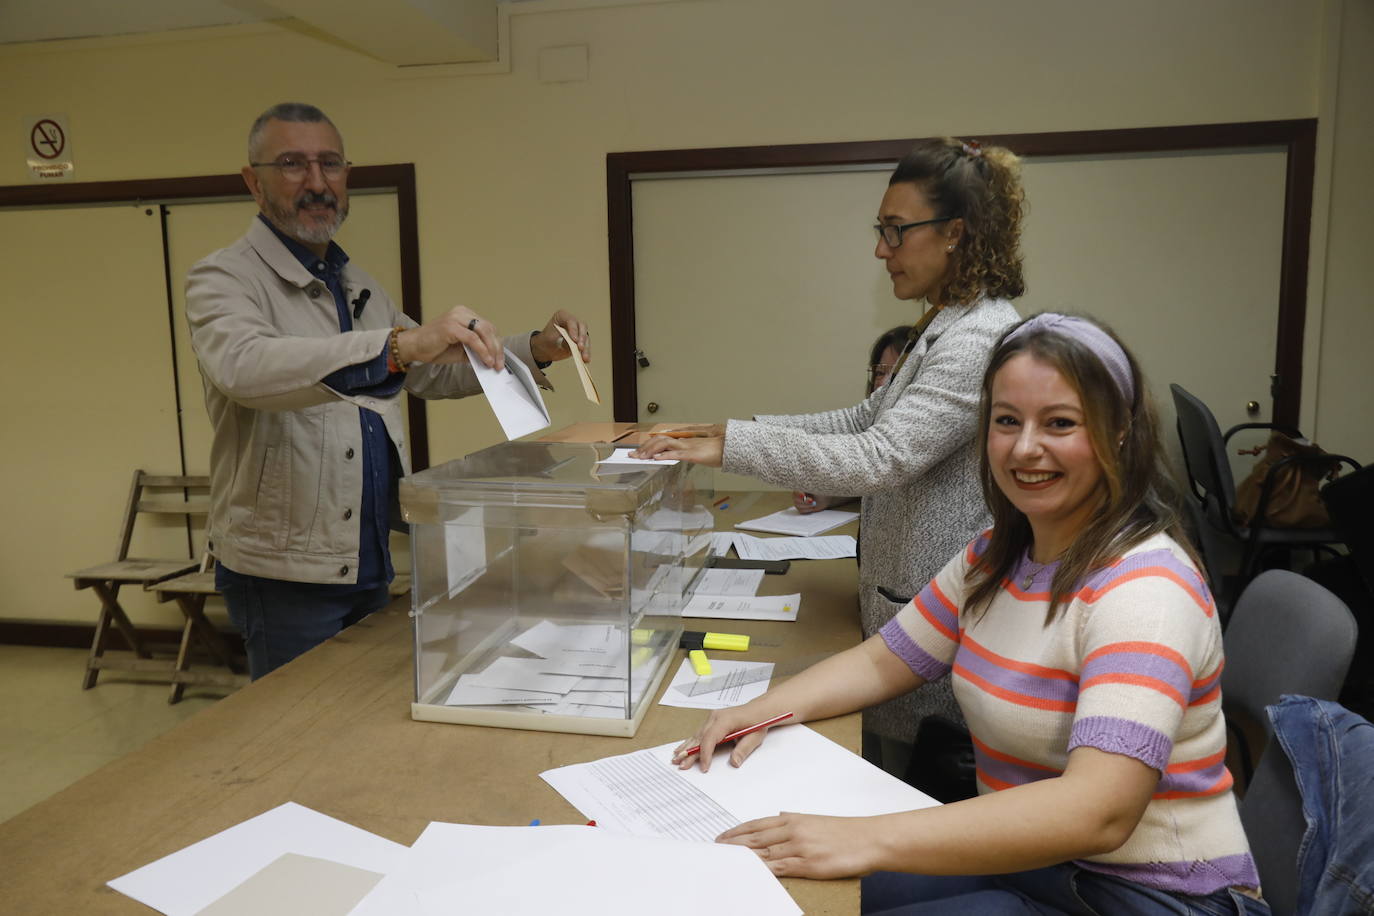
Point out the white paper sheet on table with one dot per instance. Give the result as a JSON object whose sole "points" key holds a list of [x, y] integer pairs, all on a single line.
{"points": [[513, 395], [729, 582], [579, 871], [721, 542], [187, 881], [734, 607], [795, 769], [790, 521], [622, 456], [730, 694], [827, 547]]}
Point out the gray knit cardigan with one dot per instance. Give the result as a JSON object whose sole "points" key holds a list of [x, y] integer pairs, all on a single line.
{"points": [[909, 451]]}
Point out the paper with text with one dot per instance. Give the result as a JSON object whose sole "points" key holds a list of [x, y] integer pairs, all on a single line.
{"points": [[765, 607], [729, 582], [795, 769], [740, 682], [827, 547]]}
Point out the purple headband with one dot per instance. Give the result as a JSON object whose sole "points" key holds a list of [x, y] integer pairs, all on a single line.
{"points": [[1106, 349]]}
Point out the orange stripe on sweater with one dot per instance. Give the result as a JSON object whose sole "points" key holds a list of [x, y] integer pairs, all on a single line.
{"points": [[1146, 648], [1093, 594], [1010, 664], [1020, 699], [1137, 680], [1221, 786], [1008, 758], [1202, 763], [935, 621], [996, 785]]}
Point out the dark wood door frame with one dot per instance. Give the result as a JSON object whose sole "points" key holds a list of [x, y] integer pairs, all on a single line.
{"points": [[399, 178], [1297, 137]]}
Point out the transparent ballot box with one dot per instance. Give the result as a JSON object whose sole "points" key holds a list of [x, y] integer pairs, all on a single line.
{"points": [[548, 586]]}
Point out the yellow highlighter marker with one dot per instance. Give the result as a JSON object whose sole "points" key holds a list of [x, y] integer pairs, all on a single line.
{"points": [[700, 663], [695, 639]]}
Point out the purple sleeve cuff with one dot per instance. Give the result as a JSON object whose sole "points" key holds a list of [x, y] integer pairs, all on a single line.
{"points": [[1125, 737], [916, 658]]}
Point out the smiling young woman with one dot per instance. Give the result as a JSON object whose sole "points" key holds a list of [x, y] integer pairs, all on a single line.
{"points": [[1085, 653]]}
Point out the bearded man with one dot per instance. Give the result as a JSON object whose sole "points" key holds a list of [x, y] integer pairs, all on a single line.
{"points": [[303, 357]]}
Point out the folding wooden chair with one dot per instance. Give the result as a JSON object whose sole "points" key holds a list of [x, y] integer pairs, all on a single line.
{"points": [[107, 579], [190, 591]]}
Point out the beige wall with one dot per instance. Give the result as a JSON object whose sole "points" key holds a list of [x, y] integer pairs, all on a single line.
{"points": [[1342, 379], [511, 170]]}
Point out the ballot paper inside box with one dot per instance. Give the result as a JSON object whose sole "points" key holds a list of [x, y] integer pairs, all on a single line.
{"points": [[546, 590]]}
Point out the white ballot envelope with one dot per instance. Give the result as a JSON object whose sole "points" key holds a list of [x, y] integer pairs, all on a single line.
{"points": [[513, 395]]}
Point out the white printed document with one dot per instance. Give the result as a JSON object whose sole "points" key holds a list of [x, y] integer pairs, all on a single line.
{"points": [[513, 395], [736, 683], [829, 547], [790, 521], [795, 769], [735, 607], [729, 582]]}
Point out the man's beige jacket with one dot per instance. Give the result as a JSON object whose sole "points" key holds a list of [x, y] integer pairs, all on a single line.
{"points": [[286, 457]]}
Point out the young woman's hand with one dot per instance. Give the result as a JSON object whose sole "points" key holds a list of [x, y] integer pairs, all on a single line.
{"points": [[810, 845]]}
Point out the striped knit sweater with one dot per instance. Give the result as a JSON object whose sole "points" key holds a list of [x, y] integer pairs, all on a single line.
{"points": [[1130, 666]]}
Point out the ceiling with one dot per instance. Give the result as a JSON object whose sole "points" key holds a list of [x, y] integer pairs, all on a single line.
{"points": [[402, 32]]}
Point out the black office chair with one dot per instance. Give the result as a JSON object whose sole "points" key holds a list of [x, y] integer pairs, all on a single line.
{"points": [[1288, 635], [1209, 474]]}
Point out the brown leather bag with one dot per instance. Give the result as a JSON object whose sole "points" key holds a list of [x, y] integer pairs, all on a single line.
{"points": [[1295, 494]]}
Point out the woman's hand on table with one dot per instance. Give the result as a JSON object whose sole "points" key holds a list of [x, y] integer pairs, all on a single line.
{"points": [[718, 724], [707, 451], [810, 845]]}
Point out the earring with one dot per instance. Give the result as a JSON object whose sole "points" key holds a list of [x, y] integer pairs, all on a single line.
{"points": [[950, 248]]}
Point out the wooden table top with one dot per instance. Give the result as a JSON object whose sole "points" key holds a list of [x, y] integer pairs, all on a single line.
{"points": [[332, 731]]}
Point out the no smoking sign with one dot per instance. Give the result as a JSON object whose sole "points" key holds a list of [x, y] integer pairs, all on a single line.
{"points": [[48, 148]]}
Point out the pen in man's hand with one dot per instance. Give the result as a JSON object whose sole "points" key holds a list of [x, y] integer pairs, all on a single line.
{"points": [[682, 434], [738, 733]]}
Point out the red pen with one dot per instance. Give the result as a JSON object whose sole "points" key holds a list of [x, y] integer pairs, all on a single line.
{"points": [[740, 733]]}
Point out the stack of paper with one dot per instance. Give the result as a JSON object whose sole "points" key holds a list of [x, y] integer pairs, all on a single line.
{"points": [[829, 547], [581, 670], [292, 860], [790, 521]]}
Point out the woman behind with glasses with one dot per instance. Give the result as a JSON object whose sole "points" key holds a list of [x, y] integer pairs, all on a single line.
{"points": [[949, 229]]}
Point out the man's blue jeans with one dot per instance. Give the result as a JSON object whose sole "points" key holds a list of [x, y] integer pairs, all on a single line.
{"points": [[281, 620]]}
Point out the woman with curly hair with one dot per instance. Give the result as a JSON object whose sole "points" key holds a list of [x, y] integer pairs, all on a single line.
{"points": [[949, 229]]}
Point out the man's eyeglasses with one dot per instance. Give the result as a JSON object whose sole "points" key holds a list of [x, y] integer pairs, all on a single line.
{"points": [[295, 168], [891, 233]]}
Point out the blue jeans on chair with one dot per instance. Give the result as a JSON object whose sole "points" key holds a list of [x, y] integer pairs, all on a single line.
{"points": [[1060, 890], [280, 620], [1332, 752]]}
